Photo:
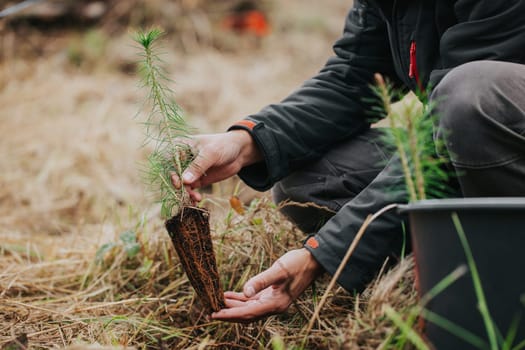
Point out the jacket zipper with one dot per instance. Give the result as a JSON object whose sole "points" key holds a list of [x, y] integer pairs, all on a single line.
{"points": [[396, 40]]}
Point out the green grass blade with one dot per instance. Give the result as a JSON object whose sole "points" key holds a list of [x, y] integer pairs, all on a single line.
{"points": [[406, 329], [476, 280], [454, 329], [444, 284]]}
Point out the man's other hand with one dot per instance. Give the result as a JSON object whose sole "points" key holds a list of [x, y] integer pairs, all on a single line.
{"points": [[272, 291]]}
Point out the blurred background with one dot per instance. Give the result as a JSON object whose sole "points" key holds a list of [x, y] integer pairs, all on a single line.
{"points": [[70, 137]]}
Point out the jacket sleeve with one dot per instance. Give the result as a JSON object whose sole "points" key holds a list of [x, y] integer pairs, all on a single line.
{"points": [[485, 30], [383, 238], [328, 108]]}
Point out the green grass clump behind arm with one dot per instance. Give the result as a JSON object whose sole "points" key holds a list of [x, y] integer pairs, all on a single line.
{"points": [[165, 128]]}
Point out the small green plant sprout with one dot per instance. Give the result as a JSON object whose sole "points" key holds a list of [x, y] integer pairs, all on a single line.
{"points": [[411, 132], [165, 128]]}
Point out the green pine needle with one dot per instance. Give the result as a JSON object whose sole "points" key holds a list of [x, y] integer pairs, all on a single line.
{"points": [[146, 39], [165, 127], [411, 132]]}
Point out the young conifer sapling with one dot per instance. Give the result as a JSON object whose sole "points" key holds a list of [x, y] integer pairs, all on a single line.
{"points": [[187, 225], [411, 133]]}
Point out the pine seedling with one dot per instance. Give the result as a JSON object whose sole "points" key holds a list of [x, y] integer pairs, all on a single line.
{"points": [[411, 133], [187, 225], [165, 127]]}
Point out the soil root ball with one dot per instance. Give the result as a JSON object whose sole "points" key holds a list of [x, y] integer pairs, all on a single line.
{"points": [[190, 233]]}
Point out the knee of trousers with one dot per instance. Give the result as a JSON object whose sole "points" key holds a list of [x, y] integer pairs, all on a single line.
{"points": [[279, 194], [287, 190], [468, 107], [307, 217]]}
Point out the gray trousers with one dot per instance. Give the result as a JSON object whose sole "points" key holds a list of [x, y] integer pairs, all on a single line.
{"points": [[481, 105]]}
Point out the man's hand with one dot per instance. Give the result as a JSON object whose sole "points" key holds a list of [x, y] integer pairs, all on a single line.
{"points": [[219, 156], [272, 291]]}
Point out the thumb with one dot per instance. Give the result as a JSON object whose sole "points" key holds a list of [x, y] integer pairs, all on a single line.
{"points": [[276, 274], [196, 169]]}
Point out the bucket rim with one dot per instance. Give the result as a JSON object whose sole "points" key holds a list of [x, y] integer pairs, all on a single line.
{"points": [[484, 203]]}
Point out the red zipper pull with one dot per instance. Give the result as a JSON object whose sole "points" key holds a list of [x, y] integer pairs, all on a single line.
{"points": [[412, 69]]}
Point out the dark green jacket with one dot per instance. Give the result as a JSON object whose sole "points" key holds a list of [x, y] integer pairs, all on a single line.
{"points": [[414, 43]]}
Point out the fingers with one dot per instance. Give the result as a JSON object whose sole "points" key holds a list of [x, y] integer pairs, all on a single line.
{"points": [[234, 299], [175, 181], [274, 275], [235, 296], [231, 303], [198, 168], [194, 195], [204, 159], [201, 171], [241, 309], [245, 312]]}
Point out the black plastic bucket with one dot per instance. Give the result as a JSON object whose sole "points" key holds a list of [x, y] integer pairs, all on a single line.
{"points": [[495, 230]]}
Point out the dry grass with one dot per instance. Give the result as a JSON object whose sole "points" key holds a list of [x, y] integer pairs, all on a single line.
{"points": [[70, 185], [132, 293]]}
